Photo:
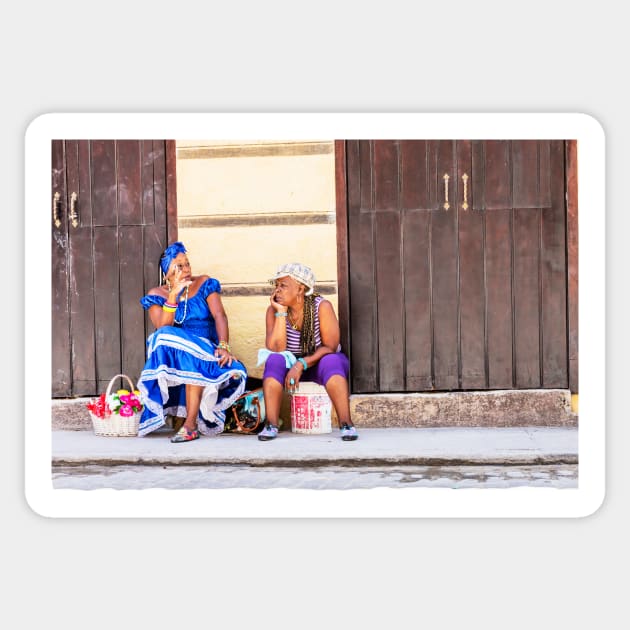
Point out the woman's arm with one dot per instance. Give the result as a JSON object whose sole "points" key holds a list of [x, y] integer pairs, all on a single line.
{"points": [[220, 317], [276, 328], [329, 326], [223, 330], [159, 316]]}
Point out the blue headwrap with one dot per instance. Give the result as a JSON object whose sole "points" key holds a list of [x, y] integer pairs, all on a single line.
{"points": [[169, 253]]}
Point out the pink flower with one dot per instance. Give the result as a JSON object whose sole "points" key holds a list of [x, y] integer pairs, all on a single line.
{"points": [[126, 411], [132, 401]]}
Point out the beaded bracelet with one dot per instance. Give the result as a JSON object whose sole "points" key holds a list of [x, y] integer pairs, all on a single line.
{"points": [[303, 362], [282, 314], [225, 346]]}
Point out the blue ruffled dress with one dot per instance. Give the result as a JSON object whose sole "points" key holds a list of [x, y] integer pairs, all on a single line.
{"points": [[184, 354]]}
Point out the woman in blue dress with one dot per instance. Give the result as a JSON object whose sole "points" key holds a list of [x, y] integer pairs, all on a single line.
{"points": [[190, 370]]}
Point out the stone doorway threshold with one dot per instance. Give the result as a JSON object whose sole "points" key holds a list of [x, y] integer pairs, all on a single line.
{"points": [[500, 408]]}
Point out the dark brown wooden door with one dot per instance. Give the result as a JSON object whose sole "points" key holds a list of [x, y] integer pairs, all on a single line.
{"points": [[109, 228], [456, 265]]}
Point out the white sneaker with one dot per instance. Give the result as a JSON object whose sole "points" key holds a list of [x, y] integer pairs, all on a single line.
{"points": [[270, 432], [348, 433]]}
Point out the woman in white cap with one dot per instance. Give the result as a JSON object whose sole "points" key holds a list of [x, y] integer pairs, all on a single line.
{"points": [[303, 344]]}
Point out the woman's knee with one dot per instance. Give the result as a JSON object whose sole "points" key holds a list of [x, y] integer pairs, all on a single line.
{"points": [[275, 367], [275, 361], [333, 364]]}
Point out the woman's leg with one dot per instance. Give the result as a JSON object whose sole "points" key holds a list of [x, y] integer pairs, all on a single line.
{"points": [[273, 386], [193, 401], [272, 391], [337, 389], [332, 373]]}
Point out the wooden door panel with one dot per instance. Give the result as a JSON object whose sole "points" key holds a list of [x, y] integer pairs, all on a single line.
{"points": [[81, 284], [106, 305], [148, 197], [104, 263], [385, 169], [362, 272], [391, 326], [491, 177], [554, 279], [131, 290], [389, 290], [416, 242], [498, 273], [160, 192], [526, 262], [129, 182], [60, 324], [444, 288], [457, 264], [104, 186], [418, 174], [472, 289], [531, 174]]}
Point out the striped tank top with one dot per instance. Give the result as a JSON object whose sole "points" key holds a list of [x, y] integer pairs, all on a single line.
{"points": [[294, 336]]}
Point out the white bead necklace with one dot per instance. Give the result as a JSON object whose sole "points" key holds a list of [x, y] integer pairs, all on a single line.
{"points": [[180, 321]]}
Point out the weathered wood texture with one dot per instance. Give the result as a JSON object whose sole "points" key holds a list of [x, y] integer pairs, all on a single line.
{"points": [[456, 264], [341, 216], [108, 260], [572, 261]]}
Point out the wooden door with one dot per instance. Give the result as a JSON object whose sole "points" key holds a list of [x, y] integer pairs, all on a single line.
{"points": [[113, 209], [456, 265]]}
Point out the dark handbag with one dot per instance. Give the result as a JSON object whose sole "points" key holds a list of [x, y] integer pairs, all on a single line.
{"points": [[247, 413]]}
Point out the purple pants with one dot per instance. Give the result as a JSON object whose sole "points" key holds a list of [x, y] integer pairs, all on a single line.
{"points": [[327, 366]]}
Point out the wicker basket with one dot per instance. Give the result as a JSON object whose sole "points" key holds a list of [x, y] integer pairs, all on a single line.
{"points": [[116, 425]]}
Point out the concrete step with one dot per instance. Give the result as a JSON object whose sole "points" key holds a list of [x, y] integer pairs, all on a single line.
{"points": [[500, 408], [375, 447]]}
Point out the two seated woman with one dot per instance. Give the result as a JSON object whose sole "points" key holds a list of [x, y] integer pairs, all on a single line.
{"points": [[191, 372]]}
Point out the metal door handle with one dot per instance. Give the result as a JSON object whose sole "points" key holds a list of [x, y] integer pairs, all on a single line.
{"points": [[465, 179], [446, 204], [73, 216], [56, 200]]}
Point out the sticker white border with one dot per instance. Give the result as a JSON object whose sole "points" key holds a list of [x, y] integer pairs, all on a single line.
{"points": [[377, 502]]}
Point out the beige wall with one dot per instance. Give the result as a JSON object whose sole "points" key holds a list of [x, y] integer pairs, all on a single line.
{"points": [[246, 207]]}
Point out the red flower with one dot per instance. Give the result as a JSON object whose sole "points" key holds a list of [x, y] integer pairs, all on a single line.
{"points": [[99, 407]]}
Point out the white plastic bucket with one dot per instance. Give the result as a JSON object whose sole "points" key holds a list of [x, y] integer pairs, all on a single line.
{"points": [[311, 409]]}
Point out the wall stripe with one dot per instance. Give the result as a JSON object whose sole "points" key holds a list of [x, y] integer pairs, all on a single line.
{"points": [[251, 220], [264, 288], [255, 150]]}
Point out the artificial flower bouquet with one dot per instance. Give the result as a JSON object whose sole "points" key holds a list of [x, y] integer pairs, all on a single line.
{"points": [[116, 414]]}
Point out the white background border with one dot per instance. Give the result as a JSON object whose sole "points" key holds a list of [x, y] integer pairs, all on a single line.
{"points": [[411, 502]]}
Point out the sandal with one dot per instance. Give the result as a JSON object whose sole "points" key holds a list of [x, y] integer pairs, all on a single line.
{"points": [[184, 435]]}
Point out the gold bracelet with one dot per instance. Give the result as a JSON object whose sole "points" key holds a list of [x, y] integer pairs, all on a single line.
{"points": [[225, 346]]}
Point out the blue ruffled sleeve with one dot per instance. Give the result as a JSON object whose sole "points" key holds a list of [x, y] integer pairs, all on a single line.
{"points": [[211, 285], [152, 300]]}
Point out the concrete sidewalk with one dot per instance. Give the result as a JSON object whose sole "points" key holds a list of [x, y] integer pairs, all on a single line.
{"points": [[375, 446]]}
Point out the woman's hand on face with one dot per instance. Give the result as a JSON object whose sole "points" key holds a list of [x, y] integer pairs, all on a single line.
{"points": [[178, 282], [224, 357], [279, 308]]}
